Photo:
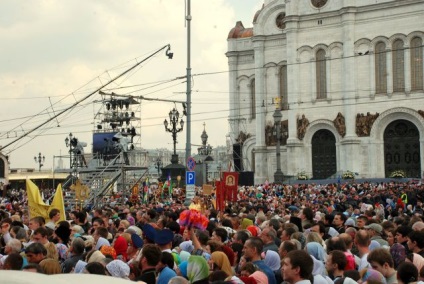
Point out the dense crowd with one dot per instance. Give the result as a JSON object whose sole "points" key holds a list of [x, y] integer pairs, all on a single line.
{"points": [[322, 234]]}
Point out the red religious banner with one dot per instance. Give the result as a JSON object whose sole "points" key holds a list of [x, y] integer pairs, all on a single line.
{"points": [[220, 196], [231, 185]]}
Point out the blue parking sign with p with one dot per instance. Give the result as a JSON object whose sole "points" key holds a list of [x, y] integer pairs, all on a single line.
{"points": [[190, 178]]}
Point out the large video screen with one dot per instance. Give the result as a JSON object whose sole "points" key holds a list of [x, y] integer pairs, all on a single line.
{"points": [[103, 145]]}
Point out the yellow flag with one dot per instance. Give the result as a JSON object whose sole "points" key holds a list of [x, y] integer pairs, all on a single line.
{"points": [[58, 202], [36, 205]]}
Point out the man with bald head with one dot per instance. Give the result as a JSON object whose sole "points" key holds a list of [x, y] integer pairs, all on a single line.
{"points": [[418, 226], [362, 242], [351, 262]]}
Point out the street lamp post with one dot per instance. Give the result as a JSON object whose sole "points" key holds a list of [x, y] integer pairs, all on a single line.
{"points": [[174, 115], [178, 181], [158, 166], [69, 144], [39, 160], [278, 175]]}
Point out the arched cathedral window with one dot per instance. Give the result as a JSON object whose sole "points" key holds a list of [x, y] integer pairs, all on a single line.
{"points": [[283, 87], [321, 73], [398, 66], [252, 100], [416, 64], [380, 68]]}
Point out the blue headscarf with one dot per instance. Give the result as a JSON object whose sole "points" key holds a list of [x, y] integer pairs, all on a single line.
{"points": [[316, 250], [272, 259], [183, 268]]}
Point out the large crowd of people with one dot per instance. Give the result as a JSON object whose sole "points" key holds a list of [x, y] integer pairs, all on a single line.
{"points": [[318, 234]]}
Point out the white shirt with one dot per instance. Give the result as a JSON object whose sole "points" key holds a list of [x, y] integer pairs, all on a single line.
{"points": [[364, 262], [304, 282]]}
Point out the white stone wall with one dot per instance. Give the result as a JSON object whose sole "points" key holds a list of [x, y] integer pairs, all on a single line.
{"points": [[348, 31]]}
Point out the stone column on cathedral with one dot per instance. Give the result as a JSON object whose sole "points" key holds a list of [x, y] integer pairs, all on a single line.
{"points": [[259, 90], [294, 152], [350, 144], [260, 148], [234, 117], [348, 82]]}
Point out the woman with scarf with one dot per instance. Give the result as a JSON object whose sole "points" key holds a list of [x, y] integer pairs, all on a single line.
{"points": [[316, 250], [197, 270], [272, 259], [416, 259], [118, 268], [121, 246], [219, 261]]}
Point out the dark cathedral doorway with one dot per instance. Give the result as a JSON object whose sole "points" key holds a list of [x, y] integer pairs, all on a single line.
{"points": [[402, 149], [324, 161]]}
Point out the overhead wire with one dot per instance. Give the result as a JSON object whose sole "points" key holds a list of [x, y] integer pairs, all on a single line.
{"points": [[213, 73], [39, 127]]}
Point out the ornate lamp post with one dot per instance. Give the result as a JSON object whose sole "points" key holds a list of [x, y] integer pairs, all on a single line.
{"points": [[278, 175], [178, 181], [39, 160], [174, 115], [158, 165], [68, 144]]}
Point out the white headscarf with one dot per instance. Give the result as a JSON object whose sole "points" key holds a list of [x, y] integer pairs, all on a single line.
{"points": [[118, 268], [101, 242]]}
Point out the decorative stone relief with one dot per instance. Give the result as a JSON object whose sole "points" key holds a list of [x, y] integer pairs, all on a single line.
{"points": [[340, 125], [302, 124], [364, 123], [270, 139], [270, 133], [243, 137]]}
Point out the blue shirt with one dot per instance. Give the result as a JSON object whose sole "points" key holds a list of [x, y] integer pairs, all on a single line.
{"points": [[265, 269]]}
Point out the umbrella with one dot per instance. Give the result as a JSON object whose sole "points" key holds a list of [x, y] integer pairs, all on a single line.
{"points": [[293, 208]]}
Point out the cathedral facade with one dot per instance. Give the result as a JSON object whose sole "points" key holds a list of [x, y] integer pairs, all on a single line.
{"points": [[347, 76]]}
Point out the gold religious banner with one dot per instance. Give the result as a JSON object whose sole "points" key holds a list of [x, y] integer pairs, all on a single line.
{"points": [[81, 190], [207, 189], [135, 193], [135, 190]]}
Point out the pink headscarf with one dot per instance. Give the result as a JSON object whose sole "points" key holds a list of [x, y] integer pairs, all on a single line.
{"points": [[260, 277], [418, 261]]}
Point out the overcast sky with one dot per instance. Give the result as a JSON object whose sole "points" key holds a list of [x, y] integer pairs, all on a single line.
{"points": [[55, 52]]}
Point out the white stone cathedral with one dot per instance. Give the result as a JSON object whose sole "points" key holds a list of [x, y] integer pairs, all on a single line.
{"points": [[348, 78]]}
